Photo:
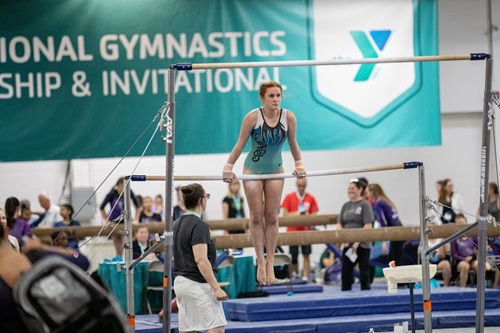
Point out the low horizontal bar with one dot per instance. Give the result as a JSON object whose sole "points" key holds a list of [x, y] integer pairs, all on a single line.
{"points": [[290, 63], [407, 165]]}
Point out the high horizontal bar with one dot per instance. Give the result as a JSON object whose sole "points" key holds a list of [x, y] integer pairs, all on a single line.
{"points": [[407, 165], [290, 63]]}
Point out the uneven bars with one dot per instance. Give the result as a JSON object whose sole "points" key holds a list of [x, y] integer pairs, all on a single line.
{"points": [[289, 63], [406, 165]]}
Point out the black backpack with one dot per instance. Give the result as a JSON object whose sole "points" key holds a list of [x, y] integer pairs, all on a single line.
{"points": [[57, 296]]}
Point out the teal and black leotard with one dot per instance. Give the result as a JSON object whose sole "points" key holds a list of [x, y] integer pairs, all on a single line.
{"points": [[265, 154]]}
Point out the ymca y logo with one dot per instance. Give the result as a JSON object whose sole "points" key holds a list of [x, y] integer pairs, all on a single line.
{"points": [[380, 38], [345, 29]]}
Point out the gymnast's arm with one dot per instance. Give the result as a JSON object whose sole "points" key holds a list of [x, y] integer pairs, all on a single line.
{"points": [[246, 128], [292, 139], [294, 145]]}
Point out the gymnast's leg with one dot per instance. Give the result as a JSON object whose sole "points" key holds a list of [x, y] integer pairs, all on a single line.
{"points": [[273, 189], [254, 192]]}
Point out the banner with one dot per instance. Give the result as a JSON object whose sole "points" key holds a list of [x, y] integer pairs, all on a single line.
{"points": [[85, 78]]}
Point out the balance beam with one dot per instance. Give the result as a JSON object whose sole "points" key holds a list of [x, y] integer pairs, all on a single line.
{"points": [[292, 238], [229, 224], [349, 236]]}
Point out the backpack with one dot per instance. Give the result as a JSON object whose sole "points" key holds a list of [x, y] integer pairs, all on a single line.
{"points": [[57, 296]]}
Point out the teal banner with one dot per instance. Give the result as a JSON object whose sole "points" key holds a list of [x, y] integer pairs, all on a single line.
{"points": [[85, 78]]}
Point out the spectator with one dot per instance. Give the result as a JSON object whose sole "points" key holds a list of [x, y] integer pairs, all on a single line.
{"points": [[495, 248], [116, 201], [179, 208], [450, 203], [51, 214], [300, 203], [60, 239], [232, 205], [17, 227], [439, 258], [147, 214], [26, 213], [387, 215], [463, 252], [364, 183], [158, 206], [66, 212], [493, 202], [330, 266], [11, 239], [356, 213], [197, 291], [141, 243]]}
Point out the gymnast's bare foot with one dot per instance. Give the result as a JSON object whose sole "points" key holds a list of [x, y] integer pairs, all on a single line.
{"points": [[270, 273], [261, 273]]}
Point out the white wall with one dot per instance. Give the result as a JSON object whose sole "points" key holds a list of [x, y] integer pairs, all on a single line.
{"points": [[462, 30]]}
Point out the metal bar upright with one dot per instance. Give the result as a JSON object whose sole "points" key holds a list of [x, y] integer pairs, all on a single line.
{"points": [[424, 259], [128, 252], [169, 183], [483, 197]]}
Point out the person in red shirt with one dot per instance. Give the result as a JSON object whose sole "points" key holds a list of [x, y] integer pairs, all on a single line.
{"points": [[300, 203]]}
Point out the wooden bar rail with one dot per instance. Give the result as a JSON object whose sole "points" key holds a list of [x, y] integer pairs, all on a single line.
{"points": [[291, 238], [230, 224]]}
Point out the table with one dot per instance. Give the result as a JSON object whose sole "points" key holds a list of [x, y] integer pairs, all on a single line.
{"points": [[242, 278], [116, 281]]}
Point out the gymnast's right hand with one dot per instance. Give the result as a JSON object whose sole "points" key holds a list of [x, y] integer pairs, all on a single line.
{"points": [[227, 173]]}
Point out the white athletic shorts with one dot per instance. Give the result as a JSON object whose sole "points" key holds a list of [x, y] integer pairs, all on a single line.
{"points": [[199, 310]]}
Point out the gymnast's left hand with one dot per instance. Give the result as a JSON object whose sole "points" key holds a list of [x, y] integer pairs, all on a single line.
{"points": [[227, 173], [300, 172]]}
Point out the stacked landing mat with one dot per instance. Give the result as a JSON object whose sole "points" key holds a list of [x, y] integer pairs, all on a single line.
{"points": [[358, 311], [336, 312]]}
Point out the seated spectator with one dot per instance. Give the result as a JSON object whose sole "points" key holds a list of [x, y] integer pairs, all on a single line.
{"points": [[60, 239], [26, 213], [17, 227], [141, 243], [51, 214], [11, 239], [147, 214], [439, 258], [331, 267], [158, 206], [66, 212], [463, 252], [494, 243]]}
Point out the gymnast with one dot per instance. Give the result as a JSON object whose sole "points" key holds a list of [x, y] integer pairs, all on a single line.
{"points": [[269, 126]]}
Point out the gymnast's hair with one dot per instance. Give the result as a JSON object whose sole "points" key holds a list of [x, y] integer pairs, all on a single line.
{"points": [[192, 194], [268, 84]]}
